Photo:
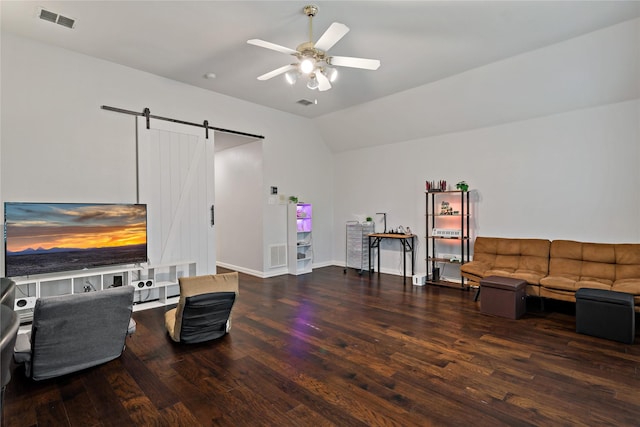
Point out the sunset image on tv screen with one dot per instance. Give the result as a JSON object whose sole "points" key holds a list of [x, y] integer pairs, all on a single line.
{"points": [[48, 237]]}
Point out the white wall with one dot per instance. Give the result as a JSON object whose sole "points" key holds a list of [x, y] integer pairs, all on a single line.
{"points": [[238, 212], [303, 167], [58, 145], [567, 176], [567, 171]]}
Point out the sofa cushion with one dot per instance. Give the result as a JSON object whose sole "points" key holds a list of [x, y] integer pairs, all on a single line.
{"points": [[499, 271], [484, 256], [598, 263], [599, 272], [526, 259], [630, 286], [507, 255], [566, 259], [627, 261], [561, 282], [475, 268], [530, 276], [593, 284], [485, 246], [627, 253], [599, 252], [534, 255], [567, 268], [566, 249]]}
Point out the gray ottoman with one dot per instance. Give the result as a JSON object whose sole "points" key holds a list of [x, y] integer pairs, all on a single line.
{"points": [[605, 314]]}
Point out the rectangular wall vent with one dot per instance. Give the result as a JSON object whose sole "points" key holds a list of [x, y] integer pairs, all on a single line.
{"points": [[278, 255], [306, 102], [47, 15], [66, 22]]}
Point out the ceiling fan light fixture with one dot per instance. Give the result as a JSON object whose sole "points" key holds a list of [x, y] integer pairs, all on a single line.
{"points": [[331, 73], [307, 65], [291, 77], [313, 82], [315, 65]]}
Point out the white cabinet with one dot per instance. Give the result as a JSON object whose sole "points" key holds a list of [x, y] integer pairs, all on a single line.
{"points": [[156, 286], [300, 238]]}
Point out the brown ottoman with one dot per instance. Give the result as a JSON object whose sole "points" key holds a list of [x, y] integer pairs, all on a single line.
{"points": [[503, 296]]}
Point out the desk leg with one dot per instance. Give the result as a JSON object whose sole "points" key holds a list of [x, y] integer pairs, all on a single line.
{"points": [[369, 256], [404, 263], [378, 246], [413, 253]]}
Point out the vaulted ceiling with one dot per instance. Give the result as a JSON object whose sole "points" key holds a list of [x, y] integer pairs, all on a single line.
{"points": [[417, 42]]}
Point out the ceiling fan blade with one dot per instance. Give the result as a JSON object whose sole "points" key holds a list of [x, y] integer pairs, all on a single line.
{"points": [[334, 33], [323, 82], [276, 72], [347, 61], [272, 46]]}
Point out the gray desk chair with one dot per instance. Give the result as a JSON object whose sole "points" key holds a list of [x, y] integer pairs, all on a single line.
{"points": [[76, 331]]}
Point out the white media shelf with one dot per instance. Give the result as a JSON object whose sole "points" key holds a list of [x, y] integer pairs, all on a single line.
{"points": [[156, 286], [299, 238]]}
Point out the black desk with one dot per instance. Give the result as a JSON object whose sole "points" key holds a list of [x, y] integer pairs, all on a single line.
{"points": [[407, 242]]}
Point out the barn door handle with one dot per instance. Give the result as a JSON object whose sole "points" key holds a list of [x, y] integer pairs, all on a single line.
{"points": [[212, 216]]}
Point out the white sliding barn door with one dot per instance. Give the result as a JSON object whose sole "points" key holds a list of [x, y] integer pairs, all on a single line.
{"points": [[176, 181]]}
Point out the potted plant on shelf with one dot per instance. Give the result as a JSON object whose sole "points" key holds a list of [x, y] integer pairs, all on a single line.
{"points": [[293, 199], [462, 186]]}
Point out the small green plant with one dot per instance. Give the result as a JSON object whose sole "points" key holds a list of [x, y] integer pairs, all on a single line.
{"points": [[293, 199], [462, 185], [369, 219]]}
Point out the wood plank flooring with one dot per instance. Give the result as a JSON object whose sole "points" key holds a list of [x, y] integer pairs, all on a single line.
{"points": [[334, 349]]}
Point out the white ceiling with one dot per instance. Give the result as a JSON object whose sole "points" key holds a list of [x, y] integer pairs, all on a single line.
{"points": [[417, 42]]}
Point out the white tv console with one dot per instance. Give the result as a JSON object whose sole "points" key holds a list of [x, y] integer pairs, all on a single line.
{"points": [[156, 286]]}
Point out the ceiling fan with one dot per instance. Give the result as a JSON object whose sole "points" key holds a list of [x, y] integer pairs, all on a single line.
{"points": [[313, 59]]}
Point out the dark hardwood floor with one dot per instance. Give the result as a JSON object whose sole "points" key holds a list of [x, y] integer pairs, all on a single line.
{"points": [[333, 349]]}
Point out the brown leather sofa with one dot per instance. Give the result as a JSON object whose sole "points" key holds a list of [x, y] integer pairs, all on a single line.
{"points": [[526, 259], [569, 266], [575, 265]]}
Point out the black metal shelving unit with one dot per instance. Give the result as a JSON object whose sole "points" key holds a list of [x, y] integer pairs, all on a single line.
{"points": [[435, 218]]}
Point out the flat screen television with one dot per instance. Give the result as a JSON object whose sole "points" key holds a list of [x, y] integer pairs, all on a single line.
{"points": [[53, 237]]}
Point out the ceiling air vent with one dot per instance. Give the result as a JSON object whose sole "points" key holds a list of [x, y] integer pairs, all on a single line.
{"points": [[306, 102], [47, 15]]}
